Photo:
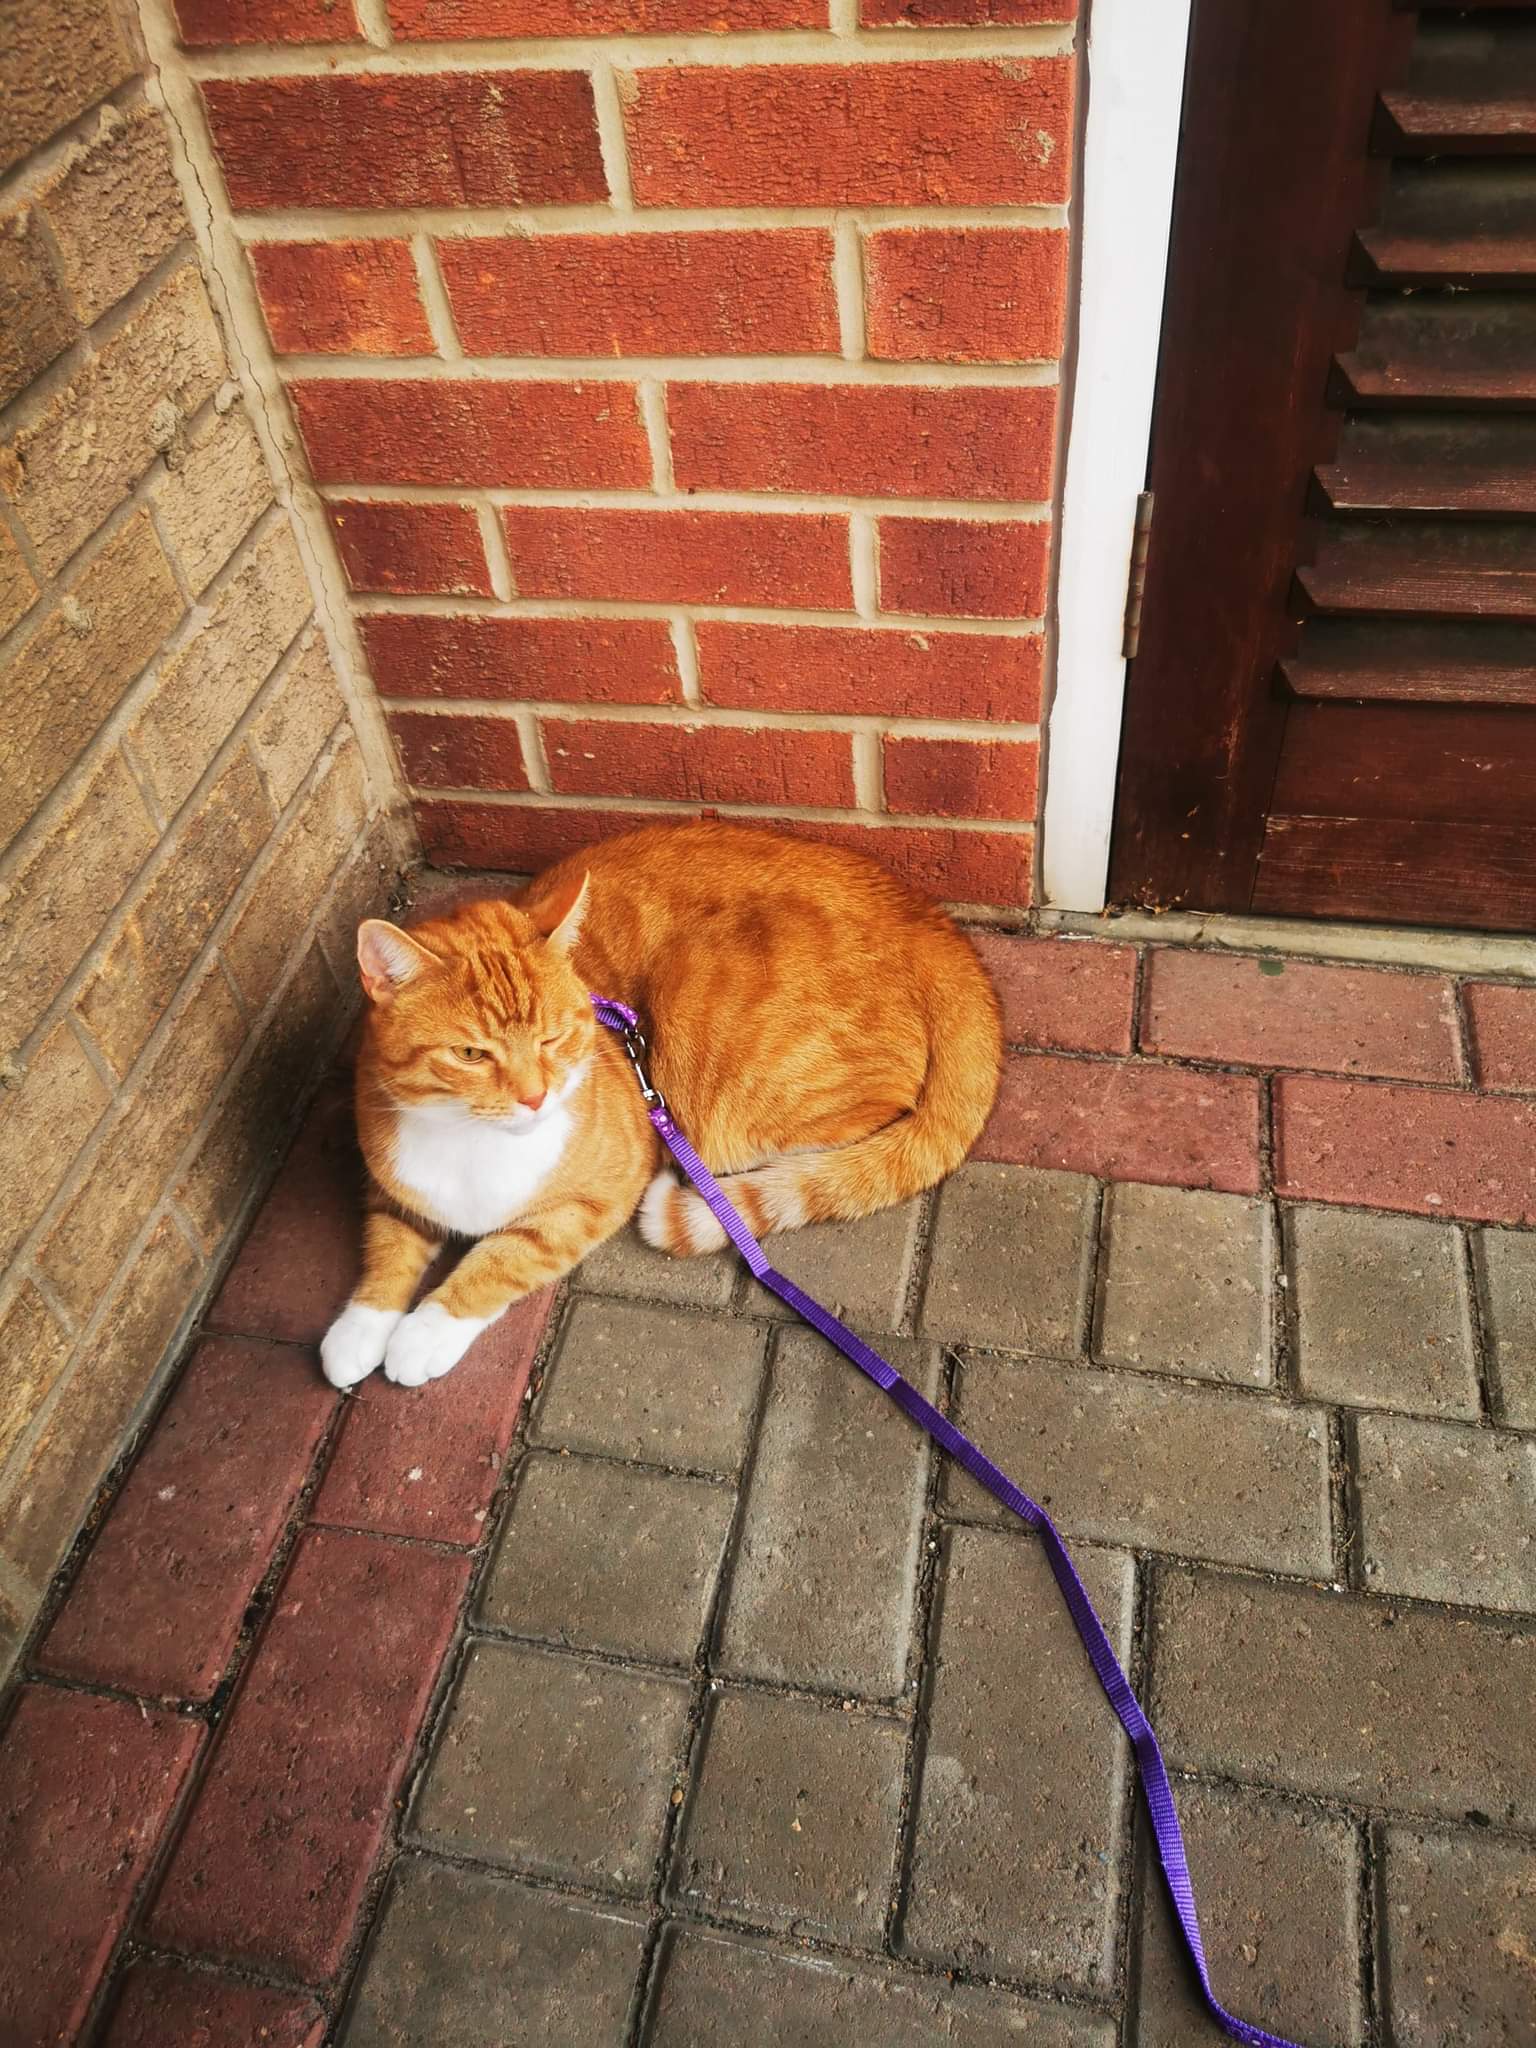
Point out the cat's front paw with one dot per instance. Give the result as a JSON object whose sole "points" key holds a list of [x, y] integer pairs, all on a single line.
{"points": [[427, 1344], [355, 1343]]}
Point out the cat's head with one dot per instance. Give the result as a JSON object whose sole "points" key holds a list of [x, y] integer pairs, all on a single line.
{"points": [[481, 1012]]}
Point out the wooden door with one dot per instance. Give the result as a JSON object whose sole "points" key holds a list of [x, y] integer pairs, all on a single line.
{"points": [[1332, 711]]}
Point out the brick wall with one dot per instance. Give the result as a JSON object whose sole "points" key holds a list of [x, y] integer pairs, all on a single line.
{"points": [[187, 824], [681, 384]]}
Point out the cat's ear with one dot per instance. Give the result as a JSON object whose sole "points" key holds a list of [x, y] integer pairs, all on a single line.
{"points": [[388, 958], [559, 920]]}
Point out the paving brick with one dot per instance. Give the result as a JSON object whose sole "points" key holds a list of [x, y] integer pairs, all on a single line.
{"points": [[1007, 1265], [86, 1788], [825, 1568], [299, 1263], [1127, 1121], [1122, 1458], [715, 1992], [1503, 1025], [563, 661], [600, 1556], [113, 208], [1447, 1513], [327, 1712], [1073, 994], [1508, 1262], [1381, 1316], [1345, 1696], [1205, 1311], [425, 1461], [481, 1961], [654, 1384], [626, 1264], [791, 1819], [554, 1765], [1299, 1013], [859, 1270], [1437, 1152], [1278, 1887], [1018, 1871], [162, 2006], [158, 1603], [1460, 1934], [214, 495]]}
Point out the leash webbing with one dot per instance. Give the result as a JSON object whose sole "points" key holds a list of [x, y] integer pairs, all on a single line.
{"points": [[1156, 1788]]}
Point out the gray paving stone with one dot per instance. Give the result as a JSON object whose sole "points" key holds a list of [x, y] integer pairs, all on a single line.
{"points": [[1381, 1315], [1017, 1854], [609, 1557], [660, 1385], [1008, 1263], [1448, 1513], [858, 1270], [1125, 1459], [1460, 1939], [823, 1583], [1508, 1260], [1186, 1283], [554, 1765], [627, 1265], [484, 1962], [1279, 1893], [718, 1992], [791, 1820], [1345, 1696]]}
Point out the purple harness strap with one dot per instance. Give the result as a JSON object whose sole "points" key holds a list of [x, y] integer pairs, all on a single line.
{"points": [[1154, 1772]]}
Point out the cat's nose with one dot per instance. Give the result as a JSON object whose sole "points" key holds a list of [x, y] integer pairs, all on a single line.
{"points": [[533, 1101]]}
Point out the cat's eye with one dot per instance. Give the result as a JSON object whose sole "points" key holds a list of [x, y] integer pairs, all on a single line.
{"points": [[471, 1052]]}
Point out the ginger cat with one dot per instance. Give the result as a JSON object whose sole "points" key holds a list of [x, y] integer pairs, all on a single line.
{"points": [[827, 1039]]}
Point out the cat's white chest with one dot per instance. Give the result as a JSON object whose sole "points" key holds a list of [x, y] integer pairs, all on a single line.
{"points": [[472, 1176]]}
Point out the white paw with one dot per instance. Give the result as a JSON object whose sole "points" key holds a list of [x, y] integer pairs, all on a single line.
{"points": [[676, 1220], [354, 1345], [429, 1343]]}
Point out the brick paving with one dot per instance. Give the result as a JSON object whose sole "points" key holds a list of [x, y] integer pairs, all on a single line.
{"points": [[648, 1683]]}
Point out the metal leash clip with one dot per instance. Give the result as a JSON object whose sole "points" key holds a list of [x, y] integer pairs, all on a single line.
{"points": [[635, 1051]]}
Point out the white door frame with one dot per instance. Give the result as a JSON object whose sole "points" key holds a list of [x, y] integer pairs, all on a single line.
{"points": [[1133, 65]]}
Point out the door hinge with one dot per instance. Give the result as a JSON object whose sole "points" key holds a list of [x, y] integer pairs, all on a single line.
{"points": [[1141, 535]]}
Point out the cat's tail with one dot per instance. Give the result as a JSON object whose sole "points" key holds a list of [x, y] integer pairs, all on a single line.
{"points": [[965, 1041]]}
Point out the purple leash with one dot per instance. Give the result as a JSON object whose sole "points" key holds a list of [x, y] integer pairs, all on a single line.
{"points": [[1154, 1772]]}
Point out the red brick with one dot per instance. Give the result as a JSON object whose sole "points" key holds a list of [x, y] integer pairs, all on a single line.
{"points": [[410, 548], [303, 1253], [964, 568], [455, 750], [292, 1812], [561, 661], [1077, 995], [954, 866], [163, 2006], [427, 19], [1503, 1024], [699, 763], [879, 440], [965, 295], [207, 23], [459, 138], [341, 298], [158, 1605], [424, 1461], [964, 13], [958, 133], [962, 778], [86, 1788], [521, 435], [1298, 1013], [737, 292], [515, 838], [1431, 1151], [854, 669], [767, 558], [1127, 1122]]}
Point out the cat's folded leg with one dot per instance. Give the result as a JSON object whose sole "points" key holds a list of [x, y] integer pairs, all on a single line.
{"points": [[395, 1255], [493, 1273]]}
